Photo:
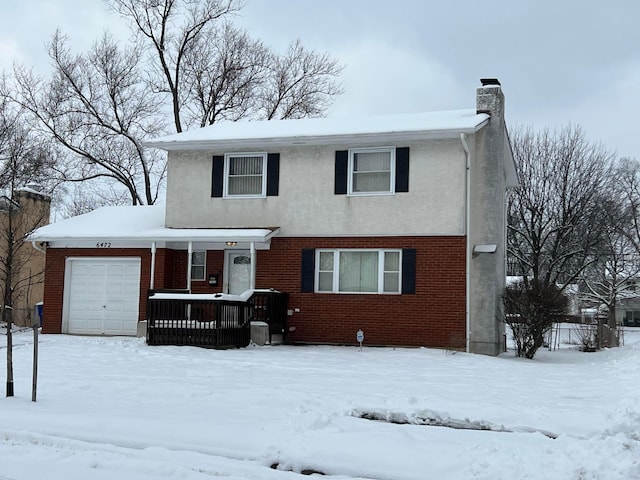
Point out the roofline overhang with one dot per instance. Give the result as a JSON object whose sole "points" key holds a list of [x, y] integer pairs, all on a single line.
{"points": [[315, 140], [147, 239]]}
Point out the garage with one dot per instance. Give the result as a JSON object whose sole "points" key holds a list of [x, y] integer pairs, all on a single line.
{"points": [[102, 296]]}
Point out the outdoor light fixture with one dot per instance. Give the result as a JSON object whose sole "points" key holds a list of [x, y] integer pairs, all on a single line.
{"points": [[490, 248], [231, 244]]}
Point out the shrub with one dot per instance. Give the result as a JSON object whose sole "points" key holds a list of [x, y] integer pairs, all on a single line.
{"points": [[531, 307]]}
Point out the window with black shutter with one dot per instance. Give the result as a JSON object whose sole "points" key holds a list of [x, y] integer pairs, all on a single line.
{"points": [[371, 171], [245, 175]]}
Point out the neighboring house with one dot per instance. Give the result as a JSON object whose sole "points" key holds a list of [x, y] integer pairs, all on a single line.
{"points": [[393, 224], [628, 305], [628, 312], [29, 209]]}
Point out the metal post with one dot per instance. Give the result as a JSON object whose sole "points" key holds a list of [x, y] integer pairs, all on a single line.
{"points": [[6, 313], [252, 280], [153, 265], [189, 260], [34, 384]]}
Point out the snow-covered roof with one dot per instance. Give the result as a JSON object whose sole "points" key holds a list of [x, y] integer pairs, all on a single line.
{"points": [[138, 223], [318, 131], [30, 189]]}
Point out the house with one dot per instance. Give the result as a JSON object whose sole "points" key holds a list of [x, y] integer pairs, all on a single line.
{"points": [[21, 266], [627, 308], [393, 225]]}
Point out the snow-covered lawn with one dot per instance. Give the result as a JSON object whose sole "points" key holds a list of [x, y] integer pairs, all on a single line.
{"points": [[115, 408]]}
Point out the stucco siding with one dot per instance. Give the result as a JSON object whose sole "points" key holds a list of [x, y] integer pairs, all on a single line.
{"points": [[306, 204], [488, 226]]}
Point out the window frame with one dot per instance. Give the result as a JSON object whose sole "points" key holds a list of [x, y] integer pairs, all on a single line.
{"points": [[203, 265], [392, 170], [335, 287], [227, 162]]}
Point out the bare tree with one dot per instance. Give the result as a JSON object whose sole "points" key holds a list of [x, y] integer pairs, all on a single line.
{"points": [[627, 188], [213, 71], [86, 197], [96, 107], [24, 158], [170, 28], [301, 83], [558, 217], [610, 279], [224, 71], [186, 61]]}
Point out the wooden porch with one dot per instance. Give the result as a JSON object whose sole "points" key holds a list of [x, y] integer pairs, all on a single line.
{"points": [[176, 317]]}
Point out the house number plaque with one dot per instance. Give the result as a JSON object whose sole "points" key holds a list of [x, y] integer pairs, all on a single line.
{"points": [[103, 245]]}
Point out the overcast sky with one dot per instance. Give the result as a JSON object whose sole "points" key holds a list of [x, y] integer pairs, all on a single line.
{"points": [[559, 61]]}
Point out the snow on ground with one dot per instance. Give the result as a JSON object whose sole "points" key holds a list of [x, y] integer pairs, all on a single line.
{"points": [[116, 408]]}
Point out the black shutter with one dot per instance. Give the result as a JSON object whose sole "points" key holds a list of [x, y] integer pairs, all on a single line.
{"points": [[402, 169], [273, 174], [342, 160], [217, 176], [409, 271], [308, 269]]}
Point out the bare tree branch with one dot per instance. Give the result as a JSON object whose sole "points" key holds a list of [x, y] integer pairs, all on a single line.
{"points": [[301, 84], [96, 107], [170, 27], [557, 221]]}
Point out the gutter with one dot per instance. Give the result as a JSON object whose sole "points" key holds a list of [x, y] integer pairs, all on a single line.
{"points": [[37, 247], [154, 236], [312, 140], [463, 141]]}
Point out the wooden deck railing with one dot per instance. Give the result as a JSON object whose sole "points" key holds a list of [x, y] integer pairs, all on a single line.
{"points": [[212, 320], [198, 320]]}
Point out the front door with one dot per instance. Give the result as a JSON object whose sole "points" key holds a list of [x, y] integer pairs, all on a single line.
{"points": [[238, 267]]}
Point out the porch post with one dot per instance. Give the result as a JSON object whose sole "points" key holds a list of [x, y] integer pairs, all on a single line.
{"points": [[252, 280], [189, 255], [153, 265]]}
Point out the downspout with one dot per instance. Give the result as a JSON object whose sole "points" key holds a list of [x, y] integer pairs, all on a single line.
{"points": [[153, 265], [252, 280], [463, 140], [189, 259]]}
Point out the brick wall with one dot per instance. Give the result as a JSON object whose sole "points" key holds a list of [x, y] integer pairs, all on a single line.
{"points": [[175, 271], [434, 316]]}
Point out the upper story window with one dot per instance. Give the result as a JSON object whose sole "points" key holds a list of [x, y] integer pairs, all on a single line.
{"points": [[358, 271], [371, 171], [245, 174], [198, 262]]}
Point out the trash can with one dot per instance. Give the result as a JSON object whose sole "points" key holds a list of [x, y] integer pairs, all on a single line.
{"points": [[37, 320]]}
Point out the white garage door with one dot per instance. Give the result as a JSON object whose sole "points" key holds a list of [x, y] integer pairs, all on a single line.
{"points": [[102, 295]]}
